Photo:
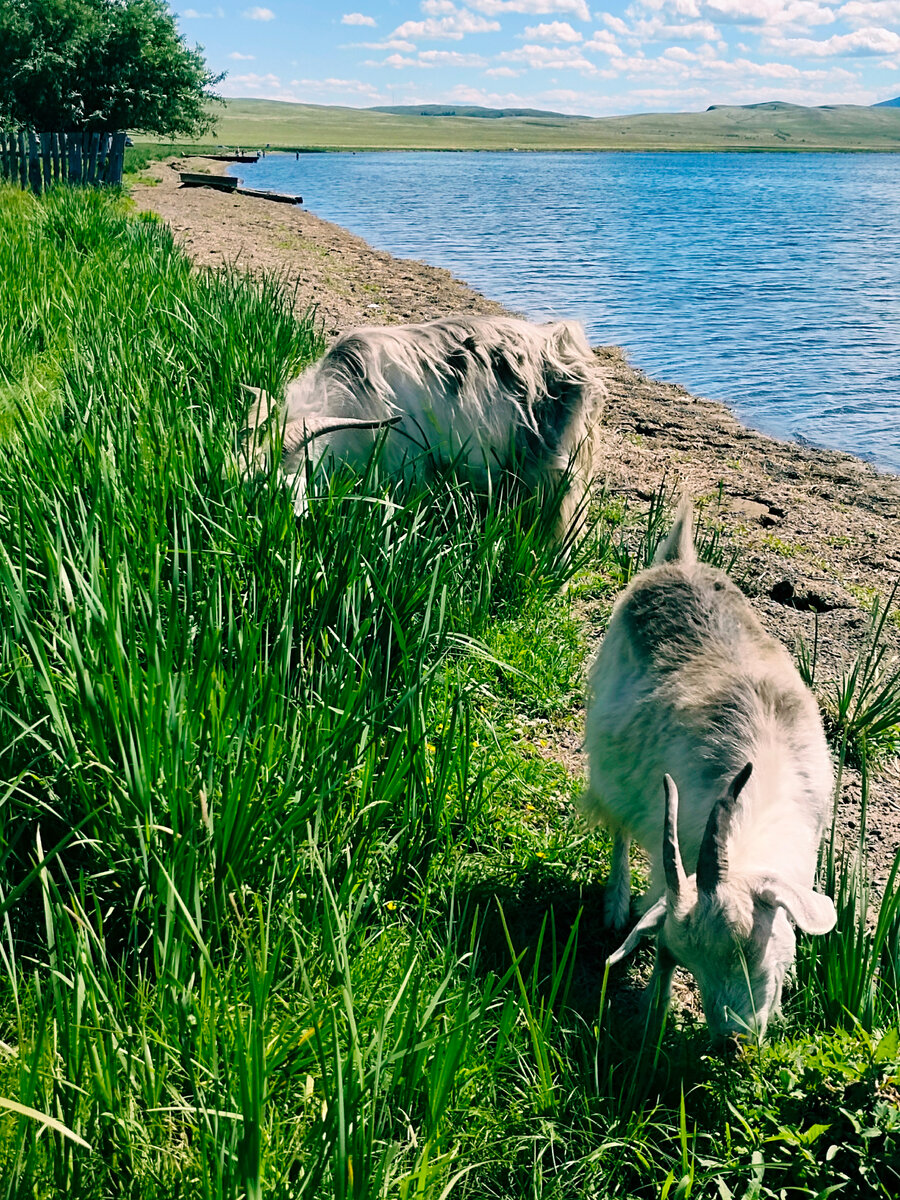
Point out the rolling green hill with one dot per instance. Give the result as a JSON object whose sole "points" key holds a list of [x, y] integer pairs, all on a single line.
{"points": [[773, 126], [462, 110]]}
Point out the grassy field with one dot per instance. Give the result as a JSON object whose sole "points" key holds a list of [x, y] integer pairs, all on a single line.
{"points": [[294, 900], [777, 126]]}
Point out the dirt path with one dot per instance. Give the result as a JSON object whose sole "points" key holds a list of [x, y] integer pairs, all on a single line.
{"points": [[818, 530]]}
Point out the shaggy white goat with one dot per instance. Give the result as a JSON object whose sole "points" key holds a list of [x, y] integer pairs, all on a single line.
{"points": [[481, 392], [689, 687]]}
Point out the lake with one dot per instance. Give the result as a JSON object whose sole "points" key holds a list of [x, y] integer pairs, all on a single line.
{"points": [[768, 281]]}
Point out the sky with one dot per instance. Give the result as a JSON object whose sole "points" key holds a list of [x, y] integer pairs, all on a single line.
{"points": [[564, 55]]}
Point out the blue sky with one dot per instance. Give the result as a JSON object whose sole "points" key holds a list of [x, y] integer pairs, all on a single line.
{"points": [[567, 55]]}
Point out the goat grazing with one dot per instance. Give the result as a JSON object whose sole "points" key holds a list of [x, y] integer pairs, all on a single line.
{"points": [[689, 687], [477, 392]]}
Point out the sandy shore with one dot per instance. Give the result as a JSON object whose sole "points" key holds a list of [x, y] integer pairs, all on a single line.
{"points": [[818, 530]]}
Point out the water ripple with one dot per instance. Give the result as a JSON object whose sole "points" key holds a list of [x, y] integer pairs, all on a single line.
{"points": [[769, 281]]}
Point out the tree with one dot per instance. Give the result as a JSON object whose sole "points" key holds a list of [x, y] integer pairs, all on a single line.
{"points": [[101, 64]]}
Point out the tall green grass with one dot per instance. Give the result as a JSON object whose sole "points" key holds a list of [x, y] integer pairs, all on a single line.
{"points": [[293, 901]]}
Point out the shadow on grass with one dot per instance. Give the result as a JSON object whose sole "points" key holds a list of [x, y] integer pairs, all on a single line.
{"points": [[553, 925]]}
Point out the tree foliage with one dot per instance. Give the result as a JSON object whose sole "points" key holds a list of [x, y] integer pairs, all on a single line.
{"points": [[100, 64]]}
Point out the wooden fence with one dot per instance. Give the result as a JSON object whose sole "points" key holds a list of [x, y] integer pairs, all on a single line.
{"points": [[37, 160]]}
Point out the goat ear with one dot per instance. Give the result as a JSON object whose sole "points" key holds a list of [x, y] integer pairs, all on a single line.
{"points": [[652, 920], [810, 911]]}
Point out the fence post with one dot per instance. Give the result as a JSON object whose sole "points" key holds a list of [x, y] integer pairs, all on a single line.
{"points": [[74, 158], [34, 164], [45, 158], [92, 140], [105, 148], [116, 158], [54, 151]]}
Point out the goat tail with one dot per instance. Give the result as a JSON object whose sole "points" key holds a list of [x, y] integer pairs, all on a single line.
{"points": [[678, 546]]}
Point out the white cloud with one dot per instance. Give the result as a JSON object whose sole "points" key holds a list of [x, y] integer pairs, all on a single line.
{"points": [[238, 57], [358, 19], [871, 12], [578, 8], [859, 44], [430, 58], [352, 87], [437, 8], [303, 91], [550, 58], [779, 14], [605, 43], [464, 94], [503, 73], [258, 14], [782, 14], [258, 87], [555, 31], [656, 29], [396, 61], [450, 58], [388, 44], [455, 27]]}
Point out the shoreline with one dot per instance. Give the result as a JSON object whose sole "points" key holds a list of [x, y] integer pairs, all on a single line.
{"points": [[817, 529], [582, 150]]}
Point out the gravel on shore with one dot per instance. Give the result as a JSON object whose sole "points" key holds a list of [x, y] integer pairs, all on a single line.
{"points": [[818, 530]]}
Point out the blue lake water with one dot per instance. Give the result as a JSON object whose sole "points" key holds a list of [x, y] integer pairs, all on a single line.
{"points": [[768, 281]]}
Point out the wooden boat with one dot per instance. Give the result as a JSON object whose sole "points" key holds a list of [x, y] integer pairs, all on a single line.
{"points": [[223, 182]]}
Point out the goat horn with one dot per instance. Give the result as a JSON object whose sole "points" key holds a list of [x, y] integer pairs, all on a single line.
{"points": [[313, 430], [674, 868], [712, 862]]}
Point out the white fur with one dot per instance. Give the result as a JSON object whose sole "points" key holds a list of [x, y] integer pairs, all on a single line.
{"points": [[687, 682], [483, 392]]}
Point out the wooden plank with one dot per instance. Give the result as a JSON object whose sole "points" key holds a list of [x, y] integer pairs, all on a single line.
{"points": [[54, 153], [91, 173], [23, 161], [74, 140], [47, 169], [103, 159], [4, 156], [34, 163], [117, 158], [278, 197]]}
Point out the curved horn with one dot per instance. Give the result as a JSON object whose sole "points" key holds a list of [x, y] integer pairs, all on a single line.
{"points": [[674, 868], [312, 429], [712, 862]]}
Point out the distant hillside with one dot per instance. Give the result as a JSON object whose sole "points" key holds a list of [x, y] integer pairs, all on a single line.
{"points": [[895, 103], [762, 106], [772, 126], [467, 110]]}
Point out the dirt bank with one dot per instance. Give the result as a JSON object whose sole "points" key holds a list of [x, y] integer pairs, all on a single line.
{"points": [[818, 529]]}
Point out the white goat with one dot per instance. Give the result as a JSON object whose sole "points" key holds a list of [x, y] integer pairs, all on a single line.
{"points": [[480, 392], [688, 682]]}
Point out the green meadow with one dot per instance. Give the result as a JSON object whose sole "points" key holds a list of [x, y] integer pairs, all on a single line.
{"points": [[294, 899], [775, 126]]}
